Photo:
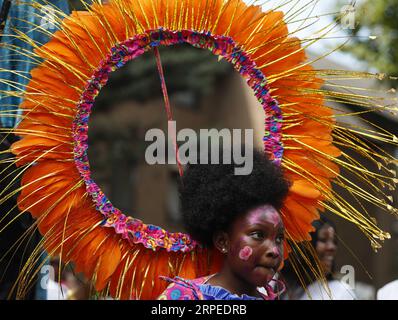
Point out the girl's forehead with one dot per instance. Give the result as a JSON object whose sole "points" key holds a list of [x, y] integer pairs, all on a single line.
{"points": [[264, 213]]}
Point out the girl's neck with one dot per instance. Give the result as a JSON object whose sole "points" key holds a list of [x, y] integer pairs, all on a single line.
{"points": [[234, 284]]}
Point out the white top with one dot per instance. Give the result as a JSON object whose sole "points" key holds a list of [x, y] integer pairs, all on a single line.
{"points": [[389, 291], [338, 291], [55, 291]]}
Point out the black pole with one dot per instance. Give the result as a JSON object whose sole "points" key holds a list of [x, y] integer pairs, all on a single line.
{"points": [[5, 9]]}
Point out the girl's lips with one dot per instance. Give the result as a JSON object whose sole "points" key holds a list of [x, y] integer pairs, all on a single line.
{"points": [[268, 268]]}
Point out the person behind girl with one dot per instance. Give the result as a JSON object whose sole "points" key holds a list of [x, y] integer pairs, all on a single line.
{"points": [[324, 241], [237, 215]]}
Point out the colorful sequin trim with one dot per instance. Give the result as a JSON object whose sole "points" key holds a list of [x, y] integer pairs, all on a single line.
{"points": [[134, 230]]}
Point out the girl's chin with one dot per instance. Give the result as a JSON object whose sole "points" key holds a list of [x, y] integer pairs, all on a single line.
{"points": [[263, 275]]}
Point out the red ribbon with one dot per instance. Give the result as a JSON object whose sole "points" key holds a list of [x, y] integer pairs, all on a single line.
{"points": [[167, 105]]}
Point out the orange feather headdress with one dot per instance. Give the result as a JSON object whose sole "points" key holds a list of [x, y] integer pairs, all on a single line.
{"points": [[123, 256]]}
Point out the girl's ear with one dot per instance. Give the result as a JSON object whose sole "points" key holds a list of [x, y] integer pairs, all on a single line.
{"points": [[221, 241]]}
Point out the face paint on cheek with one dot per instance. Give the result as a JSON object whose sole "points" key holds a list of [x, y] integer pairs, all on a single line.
{"points": [[245, 253]]}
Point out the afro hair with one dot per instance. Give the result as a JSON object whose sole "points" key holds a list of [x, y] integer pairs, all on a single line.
{"points": [[212, 196]]}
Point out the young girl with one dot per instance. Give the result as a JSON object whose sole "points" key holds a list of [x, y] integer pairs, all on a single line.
{"points": [[237, 215]]}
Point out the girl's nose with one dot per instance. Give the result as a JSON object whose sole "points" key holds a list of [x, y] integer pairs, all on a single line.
{"points": [[273, 251]]}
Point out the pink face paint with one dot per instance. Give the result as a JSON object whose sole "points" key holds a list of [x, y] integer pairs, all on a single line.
{"points": [[275, 251], [245, 253], [272, 214], [268, 212]]}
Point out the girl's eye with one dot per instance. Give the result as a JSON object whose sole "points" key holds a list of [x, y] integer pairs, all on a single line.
{"points": [[257, 235], [280, 238]]}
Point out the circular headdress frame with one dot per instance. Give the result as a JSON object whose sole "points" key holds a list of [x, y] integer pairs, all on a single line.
{"points": [[135, 230]]}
